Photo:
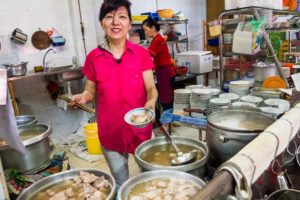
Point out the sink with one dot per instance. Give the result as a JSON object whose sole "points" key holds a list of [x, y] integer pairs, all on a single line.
{"points": [[55, 69], [65, 73]]}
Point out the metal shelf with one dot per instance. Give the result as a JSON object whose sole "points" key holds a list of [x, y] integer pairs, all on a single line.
{"points": [[253, 11]]}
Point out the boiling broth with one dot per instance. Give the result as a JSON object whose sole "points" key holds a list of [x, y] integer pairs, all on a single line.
{"points": [[26, 135], [64, 185], [163, 154], [163, 188]]}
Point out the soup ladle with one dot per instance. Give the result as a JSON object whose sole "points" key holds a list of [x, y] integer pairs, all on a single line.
{"points": [[181, 158]]}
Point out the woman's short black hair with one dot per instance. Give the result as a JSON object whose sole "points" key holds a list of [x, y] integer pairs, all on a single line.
{"points": [[111, 5], [149, 22]]}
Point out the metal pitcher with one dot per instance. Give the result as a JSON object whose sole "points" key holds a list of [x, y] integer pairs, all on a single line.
{"points": [[18, 36]]}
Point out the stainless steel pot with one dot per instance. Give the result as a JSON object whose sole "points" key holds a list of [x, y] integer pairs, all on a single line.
{"points": [[38, 149], [18, 69], [25, 119], [28, 193], [264, 70], [228, 131], [147, 176], [196, 168]]}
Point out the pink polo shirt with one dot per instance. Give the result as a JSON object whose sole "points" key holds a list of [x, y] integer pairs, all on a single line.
{"points": [[120, 88]]}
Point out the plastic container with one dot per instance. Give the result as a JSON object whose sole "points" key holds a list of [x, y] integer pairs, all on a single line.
{"points": [[92, 140]]}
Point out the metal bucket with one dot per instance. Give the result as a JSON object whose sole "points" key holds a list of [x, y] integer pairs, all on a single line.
{"points": [[196, 168], [55, 179], [38, 149], [228, 131], [147, 176]]}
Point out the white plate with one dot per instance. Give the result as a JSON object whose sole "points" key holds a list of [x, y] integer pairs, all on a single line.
{"points": [[220, 101], [182, 91], [271, 110], [239, 103], [231, 96], [284, 105], [240, 83], [252, 99]]}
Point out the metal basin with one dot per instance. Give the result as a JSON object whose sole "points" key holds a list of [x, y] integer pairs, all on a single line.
{"points": [[196, 168], [65, 73], [229, 131], [38, 149], [147, 176], [55, 179], [25, 119]]}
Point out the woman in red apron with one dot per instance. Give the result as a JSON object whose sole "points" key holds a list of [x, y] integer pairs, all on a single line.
{"points": [[164, 68]]}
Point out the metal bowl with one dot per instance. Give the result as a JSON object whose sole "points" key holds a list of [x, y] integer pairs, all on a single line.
{"points": [[25, 119], [28, 193], [18, 69], [147, 176]]}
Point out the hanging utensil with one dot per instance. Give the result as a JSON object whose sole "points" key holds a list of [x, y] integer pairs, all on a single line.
{"points": [[182, 158], [83, 107], [40, 40]]}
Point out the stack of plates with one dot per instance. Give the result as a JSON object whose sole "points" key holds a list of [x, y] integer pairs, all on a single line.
{"points": [[216, 104], [231, 96], [271, 111], [282, 104], [252, 99], [181, 99], [215, 92], [199, 100], [240, 88], [190, 87]]}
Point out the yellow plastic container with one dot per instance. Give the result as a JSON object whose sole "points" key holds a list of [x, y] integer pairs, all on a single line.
{"points": [[92, 140]]}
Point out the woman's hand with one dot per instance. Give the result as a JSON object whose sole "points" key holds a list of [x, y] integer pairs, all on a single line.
{"points": [[78, 98], [87, 96], [150, 104]]}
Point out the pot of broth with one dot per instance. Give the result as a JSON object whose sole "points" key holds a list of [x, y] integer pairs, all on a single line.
{"points": [[228, 131], [157, 154], [38, 149], [70, 185], [161, 184]]}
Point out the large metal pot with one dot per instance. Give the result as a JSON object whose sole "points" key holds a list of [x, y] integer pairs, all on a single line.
{"points": [[264, 70], [147, 176], [55, 179], [25, 119], [38, 149], [228, 131], [18, 69], [196, 168]]}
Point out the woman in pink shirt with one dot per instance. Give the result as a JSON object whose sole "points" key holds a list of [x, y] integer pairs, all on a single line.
{"points": [[120, 74]]}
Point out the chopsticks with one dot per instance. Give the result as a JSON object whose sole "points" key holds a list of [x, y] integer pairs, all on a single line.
{"points": [[83, 107]]}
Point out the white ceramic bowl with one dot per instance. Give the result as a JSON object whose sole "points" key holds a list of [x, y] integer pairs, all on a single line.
{"points": [[139, 111], [252, 99]]}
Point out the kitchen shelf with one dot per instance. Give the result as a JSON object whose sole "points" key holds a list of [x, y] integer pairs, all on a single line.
{"points": [[254, 12]]}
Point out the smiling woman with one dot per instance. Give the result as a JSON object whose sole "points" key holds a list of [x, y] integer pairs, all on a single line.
{"points": [[120, 73]]}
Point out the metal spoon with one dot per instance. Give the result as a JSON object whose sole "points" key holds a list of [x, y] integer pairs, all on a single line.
{"points": [[182, 158]]}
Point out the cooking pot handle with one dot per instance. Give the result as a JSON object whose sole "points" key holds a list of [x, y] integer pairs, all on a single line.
{"points": [[205, 112], [225, 139]]}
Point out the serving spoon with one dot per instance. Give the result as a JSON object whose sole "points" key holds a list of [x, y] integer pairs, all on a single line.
{"points": [[181, 158]]}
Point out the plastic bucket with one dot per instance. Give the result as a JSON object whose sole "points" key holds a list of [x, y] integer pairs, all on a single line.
{"points": [[92, 141]]}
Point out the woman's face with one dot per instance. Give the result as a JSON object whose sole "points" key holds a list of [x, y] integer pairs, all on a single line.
{"points": [[116, 24], [149, 32]]}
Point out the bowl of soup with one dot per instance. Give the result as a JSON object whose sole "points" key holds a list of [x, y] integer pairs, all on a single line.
{"points": [[161, 184], [157, 154]]}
